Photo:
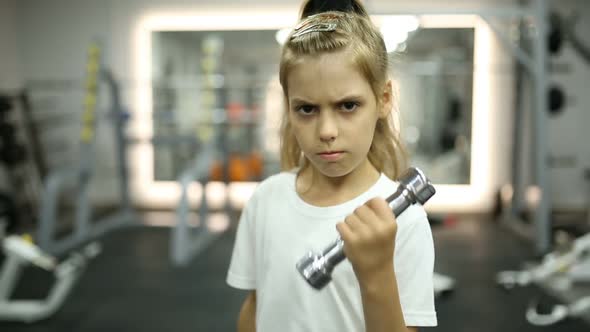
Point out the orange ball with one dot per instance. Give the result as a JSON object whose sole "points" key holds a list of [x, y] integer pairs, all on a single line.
{"points": [[216, 171], [256, 164], [238, 169]]}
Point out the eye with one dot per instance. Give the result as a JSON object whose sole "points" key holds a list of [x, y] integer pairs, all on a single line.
{"points": [[305, 109], [349, 106]]}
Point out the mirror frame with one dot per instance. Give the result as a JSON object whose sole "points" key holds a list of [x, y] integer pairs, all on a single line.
{"points": [[477, 196]]}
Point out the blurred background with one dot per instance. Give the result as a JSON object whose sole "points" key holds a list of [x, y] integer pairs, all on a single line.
{"points": [[133, 132]]}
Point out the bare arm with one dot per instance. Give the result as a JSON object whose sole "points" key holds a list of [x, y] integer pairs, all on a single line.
{"points": [[381, 305], [247, 316]]}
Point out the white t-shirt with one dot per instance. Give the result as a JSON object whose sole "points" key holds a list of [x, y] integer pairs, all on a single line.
{"points": [[277, 228]]}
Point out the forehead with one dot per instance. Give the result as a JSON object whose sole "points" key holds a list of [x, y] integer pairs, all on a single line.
{"points": [[328, 75]]}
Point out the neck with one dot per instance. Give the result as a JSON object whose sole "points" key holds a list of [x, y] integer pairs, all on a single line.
{"points": [[321, 190]]}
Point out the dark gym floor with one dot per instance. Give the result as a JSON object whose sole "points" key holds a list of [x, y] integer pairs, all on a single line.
{"points": [[132, 286]]}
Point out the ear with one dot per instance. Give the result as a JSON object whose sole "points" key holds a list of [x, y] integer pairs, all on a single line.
{"points": [[386, 98]]}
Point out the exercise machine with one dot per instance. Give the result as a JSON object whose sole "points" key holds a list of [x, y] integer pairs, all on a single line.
{"points": [[20, 252], [558, 270], [572, 263], [81, 175], [187, 241]]}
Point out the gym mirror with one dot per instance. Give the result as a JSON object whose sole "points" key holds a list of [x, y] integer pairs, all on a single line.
{"points": [[196, 74], [217, 82]]}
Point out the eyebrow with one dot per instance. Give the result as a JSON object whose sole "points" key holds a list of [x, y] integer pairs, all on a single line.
{"points": [[299, 101]]}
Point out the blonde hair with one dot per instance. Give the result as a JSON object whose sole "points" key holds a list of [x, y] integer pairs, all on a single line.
{"points": [[355, 33]]}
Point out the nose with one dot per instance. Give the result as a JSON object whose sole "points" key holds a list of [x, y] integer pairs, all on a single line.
{"points": [[327, 126]]}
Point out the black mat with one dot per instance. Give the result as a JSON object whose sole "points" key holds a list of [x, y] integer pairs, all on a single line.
{"points": [[132, 286], [472, 251]]}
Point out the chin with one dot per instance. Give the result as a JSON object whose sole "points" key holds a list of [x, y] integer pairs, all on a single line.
{"points": [[333, 172]]}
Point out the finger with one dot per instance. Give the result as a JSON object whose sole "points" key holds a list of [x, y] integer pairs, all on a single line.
{"points": [[346, 233], [388, 222], [353, 222], [367, 216], [381, 208]]}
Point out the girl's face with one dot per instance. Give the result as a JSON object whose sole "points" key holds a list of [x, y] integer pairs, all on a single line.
{"points": [[333, 112]]}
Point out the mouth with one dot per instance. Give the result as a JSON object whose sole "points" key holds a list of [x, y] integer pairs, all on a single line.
{"points": [[331, 155]]}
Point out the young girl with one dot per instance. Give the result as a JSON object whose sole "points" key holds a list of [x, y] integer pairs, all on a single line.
{"points": [[339, 152]]}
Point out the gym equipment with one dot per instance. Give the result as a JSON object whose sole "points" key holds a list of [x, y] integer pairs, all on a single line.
{"points": [[7, 133], [22, 172], [554, 34], [187, 241], [556, 100], [574, 265], [20, 253], [552, 31], [241, 168], [31, 130], [13, 155], [4, 105], [563, 29], [317, 268], [8, 212], [81, 175], [558, 312], [531, 56], [553, 263]]}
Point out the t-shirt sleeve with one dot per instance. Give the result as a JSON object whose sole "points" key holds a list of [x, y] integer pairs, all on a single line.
{"points": [[414, 267], [242, 267]]}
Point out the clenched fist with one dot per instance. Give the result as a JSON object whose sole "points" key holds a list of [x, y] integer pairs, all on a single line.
{"points": [[369, 238]]}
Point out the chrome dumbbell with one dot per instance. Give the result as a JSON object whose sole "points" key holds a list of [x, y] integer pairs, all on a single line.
{"points": [[317, 268]]}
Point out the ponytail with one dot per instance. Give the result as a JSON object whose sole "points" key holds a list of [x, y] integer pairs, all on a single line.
{"points": [[312, 7]]}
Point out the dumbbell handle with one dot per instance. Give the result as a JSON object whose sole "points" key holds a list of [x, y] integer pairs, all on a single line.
{"points": [[414, 188]]}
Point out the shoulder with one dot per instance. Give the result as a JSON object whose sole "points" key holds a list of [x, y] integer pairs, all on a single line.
{"points": [[279, 181], [274, 186]]}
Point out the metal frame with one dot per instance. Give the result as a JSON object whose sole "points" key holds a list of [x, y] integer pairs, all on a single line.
{"points": [[20, 254], [187, 241], [84, 229], [535, 63]]}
